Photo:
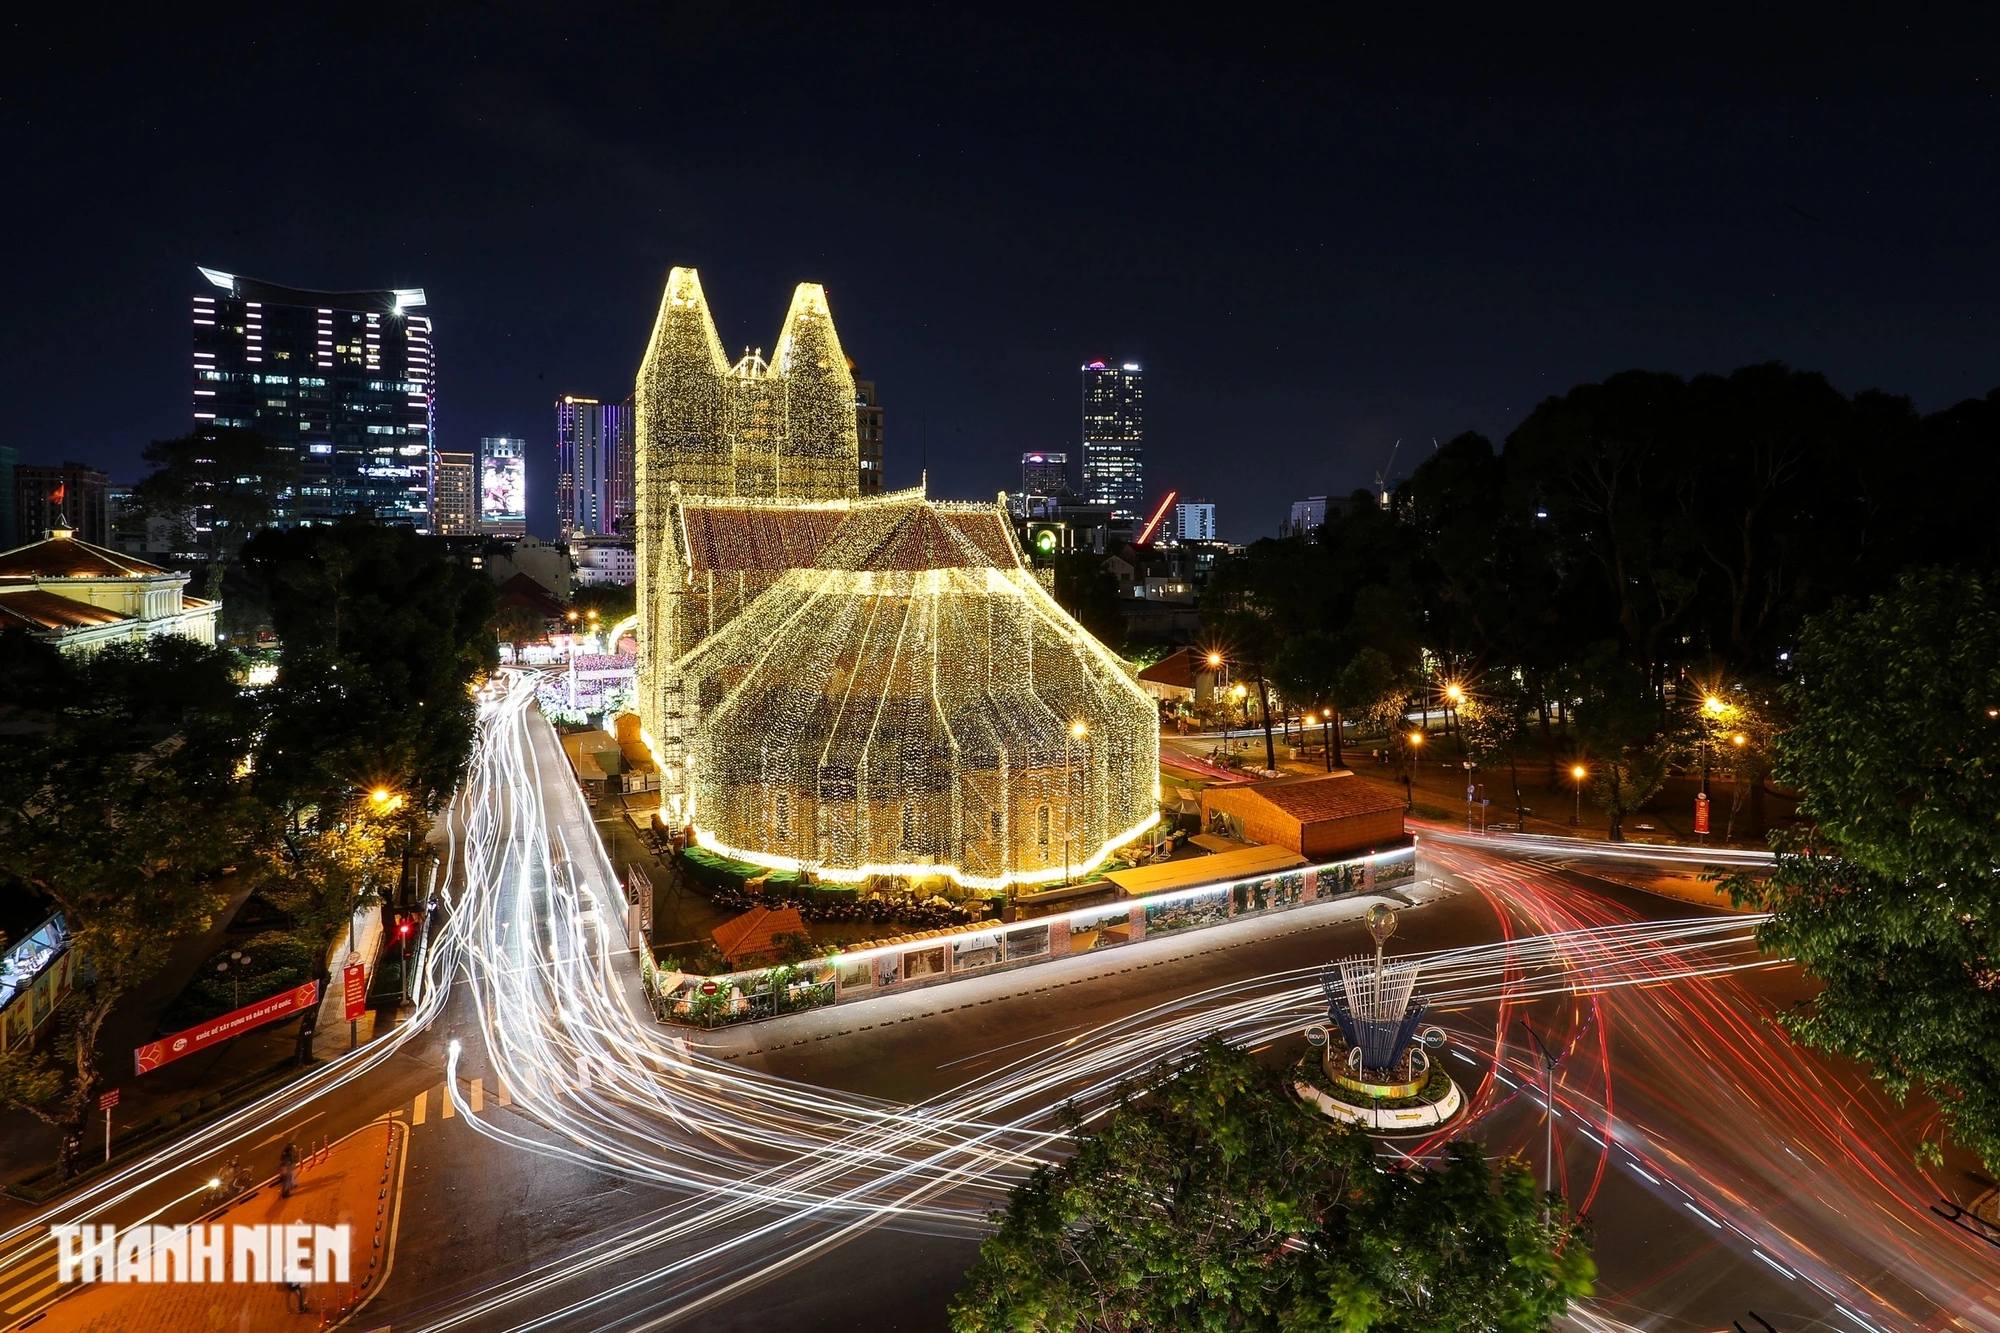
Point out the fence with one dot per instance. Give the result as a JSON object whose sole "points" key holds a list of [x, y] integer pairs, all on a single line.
{"points": [[941, 956]]}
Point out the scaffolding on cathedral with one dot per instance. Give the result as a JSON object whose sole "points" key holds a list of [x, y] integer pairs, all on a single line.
{"points": [[857, 687]]}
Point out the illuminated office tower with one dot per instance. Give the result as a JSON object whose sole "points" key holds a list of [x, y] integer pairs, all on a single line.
{"points": [[345, 380], [868, 435], [503, 486], [455, 495], [593, 466], [1114, 433], [1044, 474]]}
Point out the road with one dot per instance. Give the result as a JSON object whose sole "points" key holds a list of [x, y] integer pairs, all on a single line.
{"points": [[574, 1164]]}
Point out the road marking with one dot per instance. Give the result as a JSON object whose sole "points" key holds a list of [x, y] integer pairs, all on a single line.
{"points": [[421, 1104], [39, 1274], [583, 1073], [478, 1098], [506, 1094], [27, 1301], [447, 1104]]}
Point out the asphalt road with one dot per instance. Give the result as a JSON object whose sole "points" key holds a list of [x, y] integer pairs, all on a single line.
{"points": [[832, 1167]]}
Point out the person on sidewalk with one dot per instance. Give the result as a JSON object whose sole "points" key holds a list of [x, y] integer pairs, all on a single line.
{"points": [[288, 1169]]}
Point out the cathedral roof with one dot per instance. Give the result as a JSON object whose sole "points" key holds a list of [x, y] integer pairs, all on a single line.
{"points": [[71, 558]]}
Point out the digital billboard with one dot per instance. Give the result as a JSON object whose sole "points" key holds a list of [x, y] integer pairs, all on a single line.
{"points": [[503, 485]]}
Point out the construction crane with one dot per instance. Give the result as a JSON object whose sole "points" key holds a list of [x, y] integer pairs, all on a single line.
{"points": [[1382, 477]]}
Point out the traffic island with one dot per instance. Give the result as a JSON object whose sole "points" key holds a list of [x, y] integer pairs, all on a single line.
{"points": [[1375, 1067], [355, 1183]]}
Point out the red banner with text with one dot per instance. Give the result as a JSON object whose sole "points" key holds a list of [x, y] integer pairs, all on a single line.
{"points": [[232, 1024], [354, 990]]}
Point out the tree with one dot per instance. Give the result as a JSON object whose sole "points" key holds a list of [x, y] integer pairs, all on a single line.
{"points": [[124, 815], [1493, 721], [217, 485], [1210, 1199], [1085, 589], [382, 637], [1892, 895], [1625, 742], [518, 626]]}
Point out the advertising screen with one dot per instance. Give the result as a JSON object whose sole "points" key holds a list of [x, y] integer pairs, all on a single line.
{"points": [[503, 491]]}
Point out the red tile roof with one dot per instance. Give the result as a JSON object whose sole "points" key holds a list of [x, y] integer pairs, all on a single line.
{"points": [[1176, 668], [1325, 796], [69, 558], [31, 608], [756, 931]]}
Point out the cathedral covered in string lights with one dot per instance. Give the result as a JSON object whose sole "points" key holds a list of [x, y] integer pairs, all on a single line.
{"points": [[857, 686]]}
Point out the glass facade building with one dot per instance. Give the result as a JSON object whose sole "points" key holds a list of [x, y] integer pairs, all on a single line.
{"points": [[346, 380], [1114, 434], [1045, 474], [593, 466]]}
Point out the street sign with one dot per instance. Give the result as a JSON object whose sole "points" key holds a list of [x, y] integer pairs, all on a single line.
{"points": [[1471, 793], [354, 990], [709, 988], [107, 1100], [1701, 812], [1433, 1039]]}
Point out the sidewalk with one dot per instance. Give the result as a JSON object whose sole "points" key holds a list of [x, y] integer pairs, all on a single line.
{"points": [[327, 1034], [359, 1184]]}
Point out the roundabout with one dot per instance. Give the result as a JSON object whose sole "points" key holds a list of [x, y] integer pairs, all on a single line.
{"points": [[1375, 1068]]}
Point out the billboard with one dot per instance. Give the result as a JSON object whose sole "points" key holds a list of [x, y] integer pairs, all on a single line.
{"points": [[503, 485]]}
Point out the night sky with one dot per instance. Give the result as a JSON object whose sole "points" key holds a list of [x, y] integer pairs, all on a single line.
{"points": [[1317, 237]]}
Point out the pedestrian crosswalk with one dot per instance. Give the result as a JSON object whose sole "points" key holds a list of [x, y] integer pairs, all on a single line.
{"points": [[471, 1091], [27, 1278]]}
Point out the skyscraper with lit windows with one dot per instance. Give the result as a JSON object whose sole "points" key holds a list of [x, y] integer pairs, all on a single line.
{"points": [[593, 466], [346, 380], [1114, 434]]}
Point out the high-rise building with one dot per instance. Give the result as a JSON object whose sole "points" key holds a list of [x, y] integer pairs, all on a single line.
{"points": [[503, 486], [76, 491], [1045, 474], [347, 380], [1114, 434], [593, 466], [455, 495], [1194, 521], [1309, 513], [868, 435]]}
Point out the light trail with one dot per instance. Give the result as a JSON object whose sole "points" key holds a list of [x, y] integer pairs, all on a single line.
{"points": [[766, 1172]]}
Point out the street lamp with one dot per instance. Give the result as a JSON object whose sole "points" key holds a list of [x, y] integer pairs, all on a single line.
{"points": [[1242, 694], [241, 960], [1579, 772]]}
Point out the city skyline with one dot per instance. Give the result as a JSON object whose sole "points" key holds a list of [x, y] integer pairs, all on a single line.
{"points": [[1613, 228]]}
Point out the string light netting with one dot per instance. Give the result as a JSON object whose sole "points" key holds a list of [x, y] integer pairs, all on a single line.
{"points": [[859, 687], [906, 699]]}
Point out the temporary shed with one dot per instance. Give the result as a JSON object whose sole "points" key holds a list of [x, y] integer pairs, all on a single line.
{"points": [[1319, 816]]}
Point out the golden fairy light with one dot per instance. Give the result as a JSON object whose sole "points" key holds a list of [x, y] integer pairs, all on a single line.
{"points": [[861, 687]]}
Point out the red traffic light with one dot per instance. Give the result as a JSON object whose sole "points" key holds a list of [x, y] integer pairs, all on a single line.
{"points": [[402, 927]]}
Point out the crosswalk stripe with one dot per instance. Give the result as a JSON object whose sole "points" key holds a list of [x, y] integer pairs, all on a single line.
{"points": [[447, 1104], [37, 1275], [478, 1099], [506, 1094], [417, 1111], [583, 1073], [27, 1301]]}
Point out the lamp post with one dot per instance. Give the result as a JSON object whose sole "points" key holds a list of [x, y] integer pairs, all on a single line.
{"points": [[1548, 1061], [1579, 772], [1243, 700], [1454, 695], [240, 960], [1409, 771]]}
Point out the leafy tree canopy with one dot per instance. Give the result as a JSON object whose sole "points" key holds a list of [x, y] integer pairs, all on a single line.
{"points": [[1210, 1200], [1892, 898]]}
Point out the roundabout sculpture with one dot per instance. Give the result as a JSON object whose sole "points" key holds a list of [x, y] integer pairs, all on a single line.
{"points": [[1375, 1065]]}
